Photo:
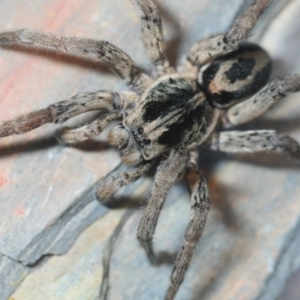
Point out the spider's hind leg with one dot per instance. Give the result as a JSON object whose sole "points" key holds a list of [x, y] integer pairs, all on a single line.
{"points": [[220, 44]]}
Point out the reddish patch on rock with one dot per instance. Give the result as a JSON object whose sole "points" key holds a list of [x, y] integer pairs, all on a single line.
{"points": [[3, 181], [19, 211]]}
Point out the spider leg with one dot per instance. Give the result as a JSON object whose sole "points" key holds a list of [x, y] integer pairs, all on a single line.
{"points": [[263, 100], [114, 57], [220, 44], [68, 136], [66, 109], [256, 141], [168, 173], [200, 208], [110, 184], [152, 35]]}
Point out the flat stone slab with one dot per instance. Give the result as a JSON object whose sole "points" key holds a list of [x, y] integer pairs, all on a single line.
{"points": [[251, 243]]}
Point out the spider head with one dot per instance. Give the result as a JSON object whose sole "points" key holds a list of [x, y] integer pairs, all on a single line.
{"points": [[122, 138], [135, 142]]}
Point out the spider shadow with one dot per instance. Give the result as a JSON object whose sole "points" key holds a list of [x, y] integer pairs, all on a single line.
{"points": [[283, 125], [43, 143], [23, 146], [173, 45], [237, 251], [91, 63]]}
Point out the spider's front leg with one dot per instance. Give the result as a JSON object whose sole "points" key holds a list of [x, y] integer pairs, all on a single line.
{"points": [[152, 35], [200, 208], [115, 58], [110, 184], [66, 109], [168, 173], [220, 44]]}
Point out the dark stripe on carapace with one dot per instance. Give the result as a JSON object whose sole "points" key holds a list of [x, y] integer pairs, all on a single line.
{"points": [[168, 96], [182, 127], [168, 119]]}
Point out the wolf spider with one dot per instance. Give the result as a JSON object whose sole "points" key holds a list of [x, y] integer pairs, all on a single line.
{"points": [[224, 82]]}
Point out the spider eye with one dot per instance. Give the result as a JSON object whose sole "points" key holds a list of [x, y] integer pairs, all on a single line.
{"points": [[140, 130], [146, 141]]}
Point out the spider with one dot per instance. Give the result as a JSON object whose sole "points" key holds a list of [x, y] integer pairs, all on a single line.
{"points": [[223, 83]]}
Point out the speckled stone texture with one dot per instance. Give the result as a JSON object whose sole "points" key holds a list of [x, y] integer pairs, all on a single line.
{"points": [[251, 242]]}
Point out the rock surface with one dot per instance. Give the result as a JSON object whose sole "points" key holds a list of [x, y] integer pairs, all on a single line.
{"points": [[251, 242]]}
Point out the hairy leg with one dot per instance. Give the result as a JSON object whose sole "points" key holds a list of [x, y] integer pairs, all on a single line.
{"points": [[263, 100], [68, 136], [152, 35], [200, 208], [169, 172], [66, 109], [253, 141], [220, 44], [110, 184], [114, 57]]}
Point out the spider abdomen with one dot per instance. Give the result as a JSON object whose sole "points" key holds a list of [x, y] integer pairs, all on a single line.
{"points": [[236, 76]]}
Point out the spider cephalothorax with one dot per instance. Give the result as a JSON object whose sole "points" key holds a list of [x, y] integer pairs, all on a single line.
{"points": [[173, 112], [168, 115]]}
